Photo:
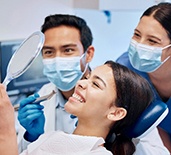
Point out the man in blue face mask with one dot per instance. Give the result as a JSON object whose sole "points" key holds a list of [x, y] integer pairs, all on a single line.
{"points": [[149, 54], [66, 54]]}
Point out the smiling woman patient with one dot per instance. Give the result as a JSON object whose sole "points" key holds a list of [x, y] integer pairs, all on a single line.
{"points": [[106, 102]]}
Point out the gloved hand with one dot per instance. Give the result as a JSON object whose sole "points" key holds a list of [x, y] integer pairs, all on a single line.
{"points": [[31, 117], [73, 117]]}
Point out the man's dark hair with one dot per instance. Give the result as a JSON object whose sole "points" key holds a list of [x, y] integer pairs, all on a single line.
{"points": [[57, 20]]}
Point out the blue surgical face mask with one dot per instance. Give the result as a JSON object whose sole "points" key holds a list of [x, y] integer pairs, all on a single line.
{"points": [[64, 72], [145, 58]]}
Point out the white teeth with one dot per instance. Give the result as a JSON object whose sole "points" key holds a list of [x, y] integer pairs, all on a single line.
{"points": [[77, 97]]}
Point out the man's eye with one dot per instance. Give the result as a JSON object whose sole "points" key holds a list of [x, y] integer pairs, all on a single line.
{"points": [[47, 52], [68, 50]]}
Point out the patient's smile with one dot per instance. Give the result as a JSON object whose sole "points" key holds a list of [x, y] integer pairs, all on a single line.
{"points": [[79, 98]]}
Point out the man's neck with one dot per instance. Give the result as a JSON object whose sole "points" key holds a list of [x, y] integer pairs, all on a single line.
{"points": [[67, 94]]}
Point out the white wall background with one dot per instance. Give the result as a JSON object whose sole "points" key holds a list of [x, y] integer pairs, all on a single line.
{"points": [[110, 39], [20, 18]]}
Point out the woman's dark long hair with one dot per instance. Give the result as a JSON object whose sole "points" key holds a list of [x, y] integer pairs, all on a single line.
{"points": [[161, 13], [134, 94]]}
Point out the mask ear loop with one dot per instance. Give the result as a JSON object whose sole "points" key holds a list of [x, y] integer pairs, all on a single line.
{"points": [[166, 46], [168, 56], [87, 64]]}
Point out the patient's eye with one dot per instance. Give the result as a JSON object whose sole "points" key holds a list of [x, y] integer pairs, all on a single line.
{"points": [[87, 76], [96, 84]]}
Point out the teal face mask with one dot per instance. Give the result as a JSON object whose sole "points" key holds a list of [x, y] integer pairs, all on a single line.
{"points": [[145, 58], [64, 72]]}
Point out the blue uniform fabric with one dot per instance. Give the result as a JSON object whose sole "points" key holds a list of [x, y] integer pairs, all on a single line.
{"points": [[165, 124]]}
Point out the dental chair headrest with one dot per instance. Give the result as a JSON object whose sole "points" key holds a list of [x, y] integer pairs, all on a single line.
{"points": [[148, 120]]}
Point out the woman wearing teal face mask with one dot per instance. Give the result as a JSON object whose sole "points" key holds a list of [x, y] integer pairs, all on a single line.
{"points": [[149, 54], [146, 58]]}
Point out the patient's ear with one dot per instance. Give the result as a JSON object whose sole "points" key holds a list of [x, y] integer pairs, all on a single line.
{"points": [[116, 113]]}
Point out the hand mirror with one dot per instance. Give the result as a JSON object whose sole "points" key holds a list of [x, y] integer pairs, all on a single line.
{"points": [[24, 56]]}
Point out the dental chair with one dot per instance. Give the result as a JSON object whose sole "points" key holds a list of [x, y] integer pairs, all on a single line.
{"points": [[148, 120]]}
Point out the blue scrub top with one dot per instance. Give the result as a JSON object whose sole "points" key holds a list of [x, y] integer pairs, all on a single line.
{"points": [[165, 124]]}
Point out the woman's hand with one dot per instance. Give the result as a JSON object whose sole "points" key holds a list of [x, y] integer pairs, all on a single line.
{"points": [[8, 139]]}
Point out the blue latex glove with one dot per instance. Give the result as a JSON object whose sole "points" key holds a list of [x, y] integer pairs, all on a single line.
{"points": [[31, 117], [73, 116]]}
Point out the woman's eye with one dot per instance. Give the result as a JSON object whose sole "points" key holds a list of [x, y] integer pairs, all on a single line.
{"points": [[87, 76], [136, 35], [152, 42], [96, 84]]}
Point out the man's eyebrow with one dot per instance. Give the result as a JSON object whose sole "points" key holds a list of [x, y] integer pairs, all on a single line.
{"points": [[97, 77], [69, 45], [47, 47], [63, 46]]}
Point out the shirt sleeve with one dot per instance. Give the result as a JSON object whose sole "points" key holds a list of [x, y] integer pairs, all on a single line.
{"points": [[151, 144]]}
